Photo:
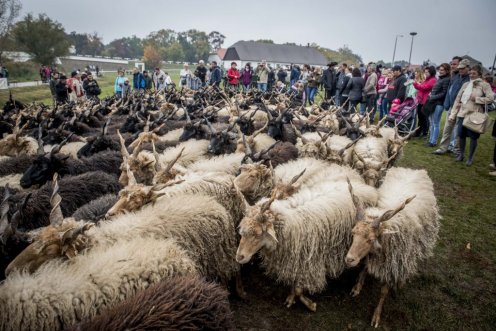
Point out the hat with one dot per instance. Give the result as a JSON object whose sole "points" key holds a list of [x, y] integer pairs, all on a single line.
{"points": [[332, 64], [397, 68], [63, 77], [463, 64]]}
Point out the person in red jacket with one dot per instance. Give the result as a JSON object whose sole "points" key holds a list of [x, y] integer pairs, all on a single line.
{"points": [[424, 89], [233, 76]]}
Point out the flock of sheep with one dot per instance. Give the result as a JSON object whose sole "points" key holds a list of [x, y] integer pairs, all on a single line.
{"points": [[136, 214]]}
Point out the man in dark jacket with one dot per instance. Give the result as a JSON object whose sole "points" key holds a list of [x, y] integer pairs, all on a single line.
{"points": [[397, 89], [281, 75], [148, 81], [341, 83], [329, 80], [61, 94], [201, 71], [459, 77], [215, 75], [138, 80], [294, 75], [91, 87]]}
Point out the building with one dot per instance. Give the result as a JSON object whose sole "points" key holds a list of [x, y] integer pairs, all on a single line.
{"points": [[276, 55], [217, 56]]}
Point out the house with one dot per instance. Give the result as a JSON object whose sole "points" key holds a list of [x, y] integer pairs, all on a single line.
{"points": [[275, 55], [218, 56]]}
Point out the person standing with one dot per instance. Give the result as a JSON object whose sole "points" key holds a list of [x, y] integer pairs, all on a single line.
{"points": [[138, 80], [201, 72], [355, 87], [382, 88], [53, 82], [329, 80], [61, 94], [437, 96], [75, 87], [341, 83], [313, 84], [185, 76], [126, 88], [246, 77], [233, 76], [263, 76], [473, 96], [119, 82], [91, 87], [459, 76], [424, 89], [215, 75], [281, 75], [492, 166], [294, 74], [157, 75], [148, 81], [370, 91]]}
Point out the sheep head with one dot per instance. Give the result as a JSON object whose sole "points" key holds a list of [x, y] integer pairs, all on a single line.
{"points": [[62, 238], [254, 181], [368, 230], [257, 231]]}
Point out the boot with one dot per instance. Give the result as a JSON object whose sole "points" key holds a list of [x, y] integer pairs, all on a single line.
{"points": [[473, 146], [460, 156]]}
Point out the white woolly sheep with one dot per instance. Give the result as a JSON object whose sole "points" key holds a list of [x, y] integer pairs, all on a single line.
{"points": [[303, 239], [398, 234]]}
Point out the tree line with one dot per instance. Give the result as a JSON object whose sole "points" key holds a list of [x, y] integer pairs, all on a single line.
{"points": [[46, 39]]}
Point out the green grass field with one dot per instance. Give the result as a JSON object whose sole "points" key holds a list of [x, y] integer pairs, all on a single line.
{"points": [[455, 289]]}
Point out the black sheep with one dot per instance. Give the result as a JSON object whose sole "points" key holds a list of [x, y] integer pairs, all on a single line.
{"points": [[177, 303]]}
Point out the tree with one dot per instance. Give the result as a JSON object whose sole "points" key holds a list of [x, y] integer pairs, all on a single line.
{"points": [[9, 11], [87, 44], [43, 38], [265, 41], [216, 39], [127, 47], [151, 57], [175, 52]]}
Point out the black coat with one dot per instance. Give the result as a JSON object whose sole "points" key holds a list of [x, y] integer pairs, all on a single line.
{"points": [[201, 72], [397, 90], [438, 92], [91, 87], [355, 87], [281, 75], [61, 92], [329, 80]]}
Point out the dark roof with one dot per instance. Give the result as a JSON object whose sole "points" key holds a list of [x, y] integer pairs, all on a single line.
{"points": [[253, 51]]}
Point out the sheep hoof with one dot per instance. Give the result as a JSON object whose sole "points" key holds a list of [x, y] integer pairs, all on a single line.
{"points": [[355, 291], [290, 300], [376, 319]]}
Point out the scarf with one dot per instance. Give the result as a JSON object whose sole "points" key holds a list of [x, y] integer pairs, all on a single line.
{"points": [[468, 92]]}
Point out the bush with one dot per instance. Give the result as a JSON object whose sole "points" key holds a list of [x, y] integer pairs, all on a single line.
{"points": [[22, 71]]}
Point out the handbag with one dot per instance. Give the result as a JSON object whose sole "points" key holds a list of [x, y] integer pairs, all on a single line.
{"points": [[428, 108], [477, 122]]}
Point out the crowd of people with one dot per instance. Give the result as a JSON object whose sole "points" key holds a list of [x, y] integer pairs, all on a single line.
{"points": [[78, 87]]}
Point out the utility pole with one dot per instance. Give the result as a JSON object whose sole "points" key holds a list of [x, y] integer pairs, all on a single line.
{"points": [[394, 51]]}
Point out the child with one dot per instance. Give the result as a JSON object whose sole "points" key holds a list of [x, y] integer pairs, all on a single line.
{"points": [[126, 88]]}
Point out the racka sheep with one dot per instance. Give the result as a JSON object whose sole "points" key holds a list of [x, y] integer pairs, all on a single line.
{"points": [[178, 303], [396, 235]]}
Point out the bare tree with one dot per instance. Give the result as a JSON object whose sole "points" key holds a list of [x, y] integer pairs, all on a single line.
{"points": [[9, 11]]}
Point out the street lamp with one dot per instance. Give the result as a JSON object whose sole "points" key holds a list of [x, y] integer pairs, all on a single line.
{"points": [[413, 34], [394, 51]]}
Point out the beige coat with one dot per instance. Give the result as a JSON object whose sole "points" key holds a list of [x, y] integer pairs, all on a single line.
{"points": [[371, 84], [483, 96]]}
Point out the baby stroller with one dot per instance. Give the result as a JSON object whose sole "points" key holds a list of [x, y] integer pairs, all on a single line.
{"points": [[404, 117]]}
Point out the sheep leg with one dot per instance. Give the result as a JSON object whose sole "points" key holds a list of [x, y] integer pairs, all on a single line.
{"points": [[359, 285], [290, 300], [240, 291], [306, 301], [378, 310]]}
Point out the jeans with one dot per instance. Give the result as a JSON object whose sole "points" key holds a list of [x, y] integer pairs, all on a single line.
{"points": [[435, 121], [311, 92], [384, 108], [262, 86], [337, 99]]}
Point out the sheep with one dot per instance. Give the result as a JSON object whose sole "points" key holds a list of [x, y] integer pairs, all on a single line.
{"points": [[178, 303], [371, 158], [44, 167], [228, 163], [339, 149], [396, 235], [91, 283], [14, 145], [96, 209], [15, 165], [312, 144], [304, 238]]}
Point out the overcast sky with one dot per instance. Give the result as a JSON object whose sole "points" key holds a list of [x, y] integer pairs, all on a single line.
{"points": [[445, 27]]}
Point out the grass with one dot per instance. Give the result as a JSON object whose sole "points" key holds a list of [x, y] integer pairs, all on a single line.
{"points": [[455, 289]]}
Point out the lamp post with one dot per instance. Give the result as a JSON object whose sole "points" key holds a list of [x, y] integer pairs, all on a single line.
{"points": [[413, 34], [394, 51]]}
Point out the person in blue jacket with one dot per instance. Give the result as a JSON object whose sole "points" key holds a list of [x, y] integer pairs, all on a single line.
{"points": [[119, 82], [215, 74], [138, 80]]}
